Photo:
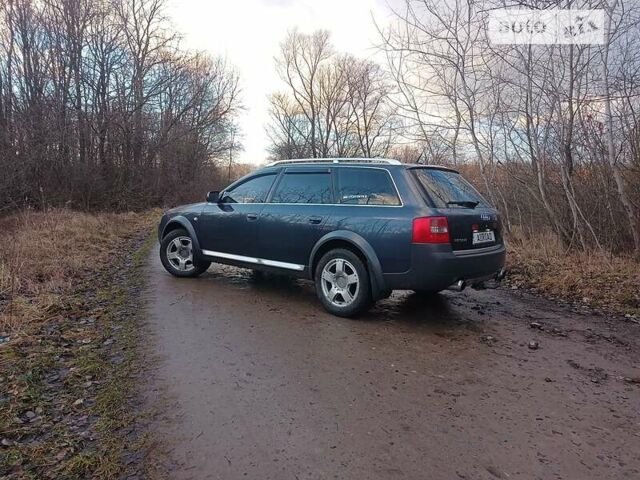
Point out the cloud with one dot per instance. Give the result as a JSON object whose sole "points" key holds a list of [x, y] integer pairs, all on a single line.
{"points": [[278, 3], [249, 33]]}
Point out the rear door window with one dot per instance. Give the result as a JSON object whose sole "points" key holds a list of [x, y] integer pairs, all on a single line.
{"points": [[366, 186], [303, 187], [448, 189]]}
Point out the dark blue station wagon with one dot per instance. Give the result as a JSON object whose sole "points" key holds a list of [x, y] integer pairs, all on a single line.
{"points": [[359, 228]]}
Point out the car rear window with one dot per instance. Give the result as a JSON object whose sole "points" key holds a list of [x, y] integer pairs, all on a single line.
{"points": [[366, 186], [448, 189], [303, 187]]}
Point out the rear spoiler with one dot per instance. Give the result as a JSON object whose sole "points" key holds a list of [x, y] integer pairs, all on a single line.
{"points": [[432, 167]]}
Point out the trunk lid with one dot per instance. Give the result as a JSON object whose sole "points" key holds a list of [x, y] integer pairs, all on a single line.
{"points": [[473, 223], [472, 229]]}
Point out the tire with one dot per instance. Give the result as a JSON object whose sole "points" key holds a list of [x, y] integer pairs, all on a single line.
{"points": [[342, 283], [180, 261]]}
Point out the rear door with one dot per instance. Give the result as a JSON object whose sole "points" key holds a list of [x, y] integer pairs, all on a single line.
{"points": [[370, 206], [294, 218], [473, 223]]}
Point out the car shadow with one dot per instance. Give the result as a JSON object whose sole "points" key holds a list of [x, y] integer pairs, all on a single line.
{"points": [[414, 308], [403, 307], [281, 285]]}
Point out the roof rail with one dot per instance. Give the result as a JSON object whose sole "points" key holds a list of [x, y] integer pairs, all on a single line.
{"points": [[336, 160]]}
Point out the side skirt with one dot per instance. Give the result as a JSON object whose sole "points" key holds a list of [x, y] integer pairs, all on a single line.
{"points": [[254, 260]]}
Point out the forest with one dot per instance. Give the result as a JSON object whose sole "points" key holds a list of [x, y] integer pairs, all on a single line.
{"points": [[101, 108]]}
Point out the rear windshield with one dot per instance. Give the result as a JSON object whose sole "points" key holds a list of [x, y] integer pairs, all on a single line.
{"points": [[448, 189]]}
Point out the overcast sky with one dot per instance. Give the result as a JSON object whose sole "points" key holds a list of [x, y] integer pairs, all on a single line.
{"points": [[249, 32]]}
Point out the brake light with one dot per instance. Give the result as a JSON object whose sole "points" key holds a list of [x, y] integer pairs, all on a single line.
{"points": [[430, 230]]}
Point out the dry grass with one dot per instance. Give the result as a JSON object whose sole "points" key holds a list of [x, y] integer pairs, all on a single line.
{"points": [[590, 278], [45, 253], [61, 297]]}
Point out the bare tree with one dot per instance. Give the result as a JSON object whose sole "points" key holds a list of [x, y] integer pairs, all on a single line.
{"points": [[101, 107], [333, 105], [610, 31], [298, 64], [550, 131], [368, 96]]}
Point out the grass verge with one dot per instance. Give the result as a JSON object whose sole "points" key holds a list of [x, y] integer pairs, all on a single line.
{"points": [[604, 282], [70, 288]]}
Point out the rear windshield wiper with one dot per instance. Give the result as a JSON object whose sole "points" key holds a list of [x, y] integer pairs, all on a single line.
{"points": [[464, 203]]}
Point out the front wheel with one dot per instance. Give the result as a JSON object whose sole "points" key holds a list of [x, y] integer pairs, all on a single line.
{"points": [[342, 283], [176, 255]]}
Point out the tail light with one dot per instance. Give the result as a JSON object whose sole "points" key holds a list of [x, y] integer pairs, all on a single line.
{"points": [[430, 230]]}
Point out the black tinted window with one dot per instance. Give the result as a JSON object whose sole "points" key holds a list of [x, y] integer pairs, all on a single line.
{"points": [[366, 186], [303, 188], [448, 189], [251, 191]]}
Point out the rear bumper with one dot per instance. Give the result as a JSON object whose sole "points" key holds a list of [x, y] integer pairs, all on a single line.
{"points": [[436, 267]]}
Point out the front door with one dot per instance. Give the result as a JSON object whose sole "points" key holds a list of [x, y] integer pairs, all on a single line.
{"points": [[231, 225]]}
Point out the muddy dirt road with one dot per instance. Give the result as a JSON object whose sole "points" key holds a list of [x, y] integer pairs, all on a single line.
{"points": [[254, 380]]}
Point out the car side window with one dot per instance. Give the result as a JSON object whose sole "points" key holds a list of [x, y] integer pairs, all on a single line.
{"points": [[303, 187], [254, 190], [366, 186]]}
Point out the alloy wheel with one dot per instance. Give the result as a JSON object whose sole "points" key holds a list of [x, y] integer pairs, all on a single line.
{"points": [[180, 254], [340, 282]]}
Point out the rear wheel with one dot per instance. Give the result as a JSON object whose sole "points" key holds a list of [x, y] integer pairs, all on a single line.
{"points": [[176, 255], [342, 283]]}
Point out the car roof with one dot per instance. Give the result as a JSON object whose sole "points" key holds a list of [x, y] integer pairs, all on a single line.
{"points": [[314, 161], [357, 161]]}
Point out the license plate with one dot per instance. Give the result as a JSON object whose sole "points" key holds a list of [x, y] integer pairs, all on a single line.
{"points": [[483, 237]]}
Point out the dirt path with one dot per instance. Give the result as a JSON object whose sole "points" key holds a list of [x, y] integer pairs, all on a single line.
{"points": [[258, 382]]}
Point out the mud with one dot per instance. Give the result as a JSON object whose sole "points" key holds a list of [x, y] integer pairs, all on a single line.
{"points": [[254, 380]]}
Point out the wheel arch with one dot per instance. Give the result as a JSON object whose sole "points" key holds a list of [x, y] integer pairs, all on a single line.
{"points": [[358, 245], [182, 222]]}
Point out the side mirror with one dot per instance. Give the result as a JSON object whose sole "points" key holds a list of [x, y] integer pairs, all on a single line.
{"points": [[213, 197]]}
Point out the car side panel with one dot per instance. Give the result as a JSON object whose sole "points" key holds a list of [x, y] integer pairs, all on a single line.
{"points": [[387, 229], [378, 286], [288, 232], [229, 228], [184, 223]]}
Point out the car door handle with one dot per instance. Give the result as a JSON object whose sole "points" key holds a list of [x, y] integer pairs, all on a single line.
{"points": [[252, 217], [315, 220]]}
